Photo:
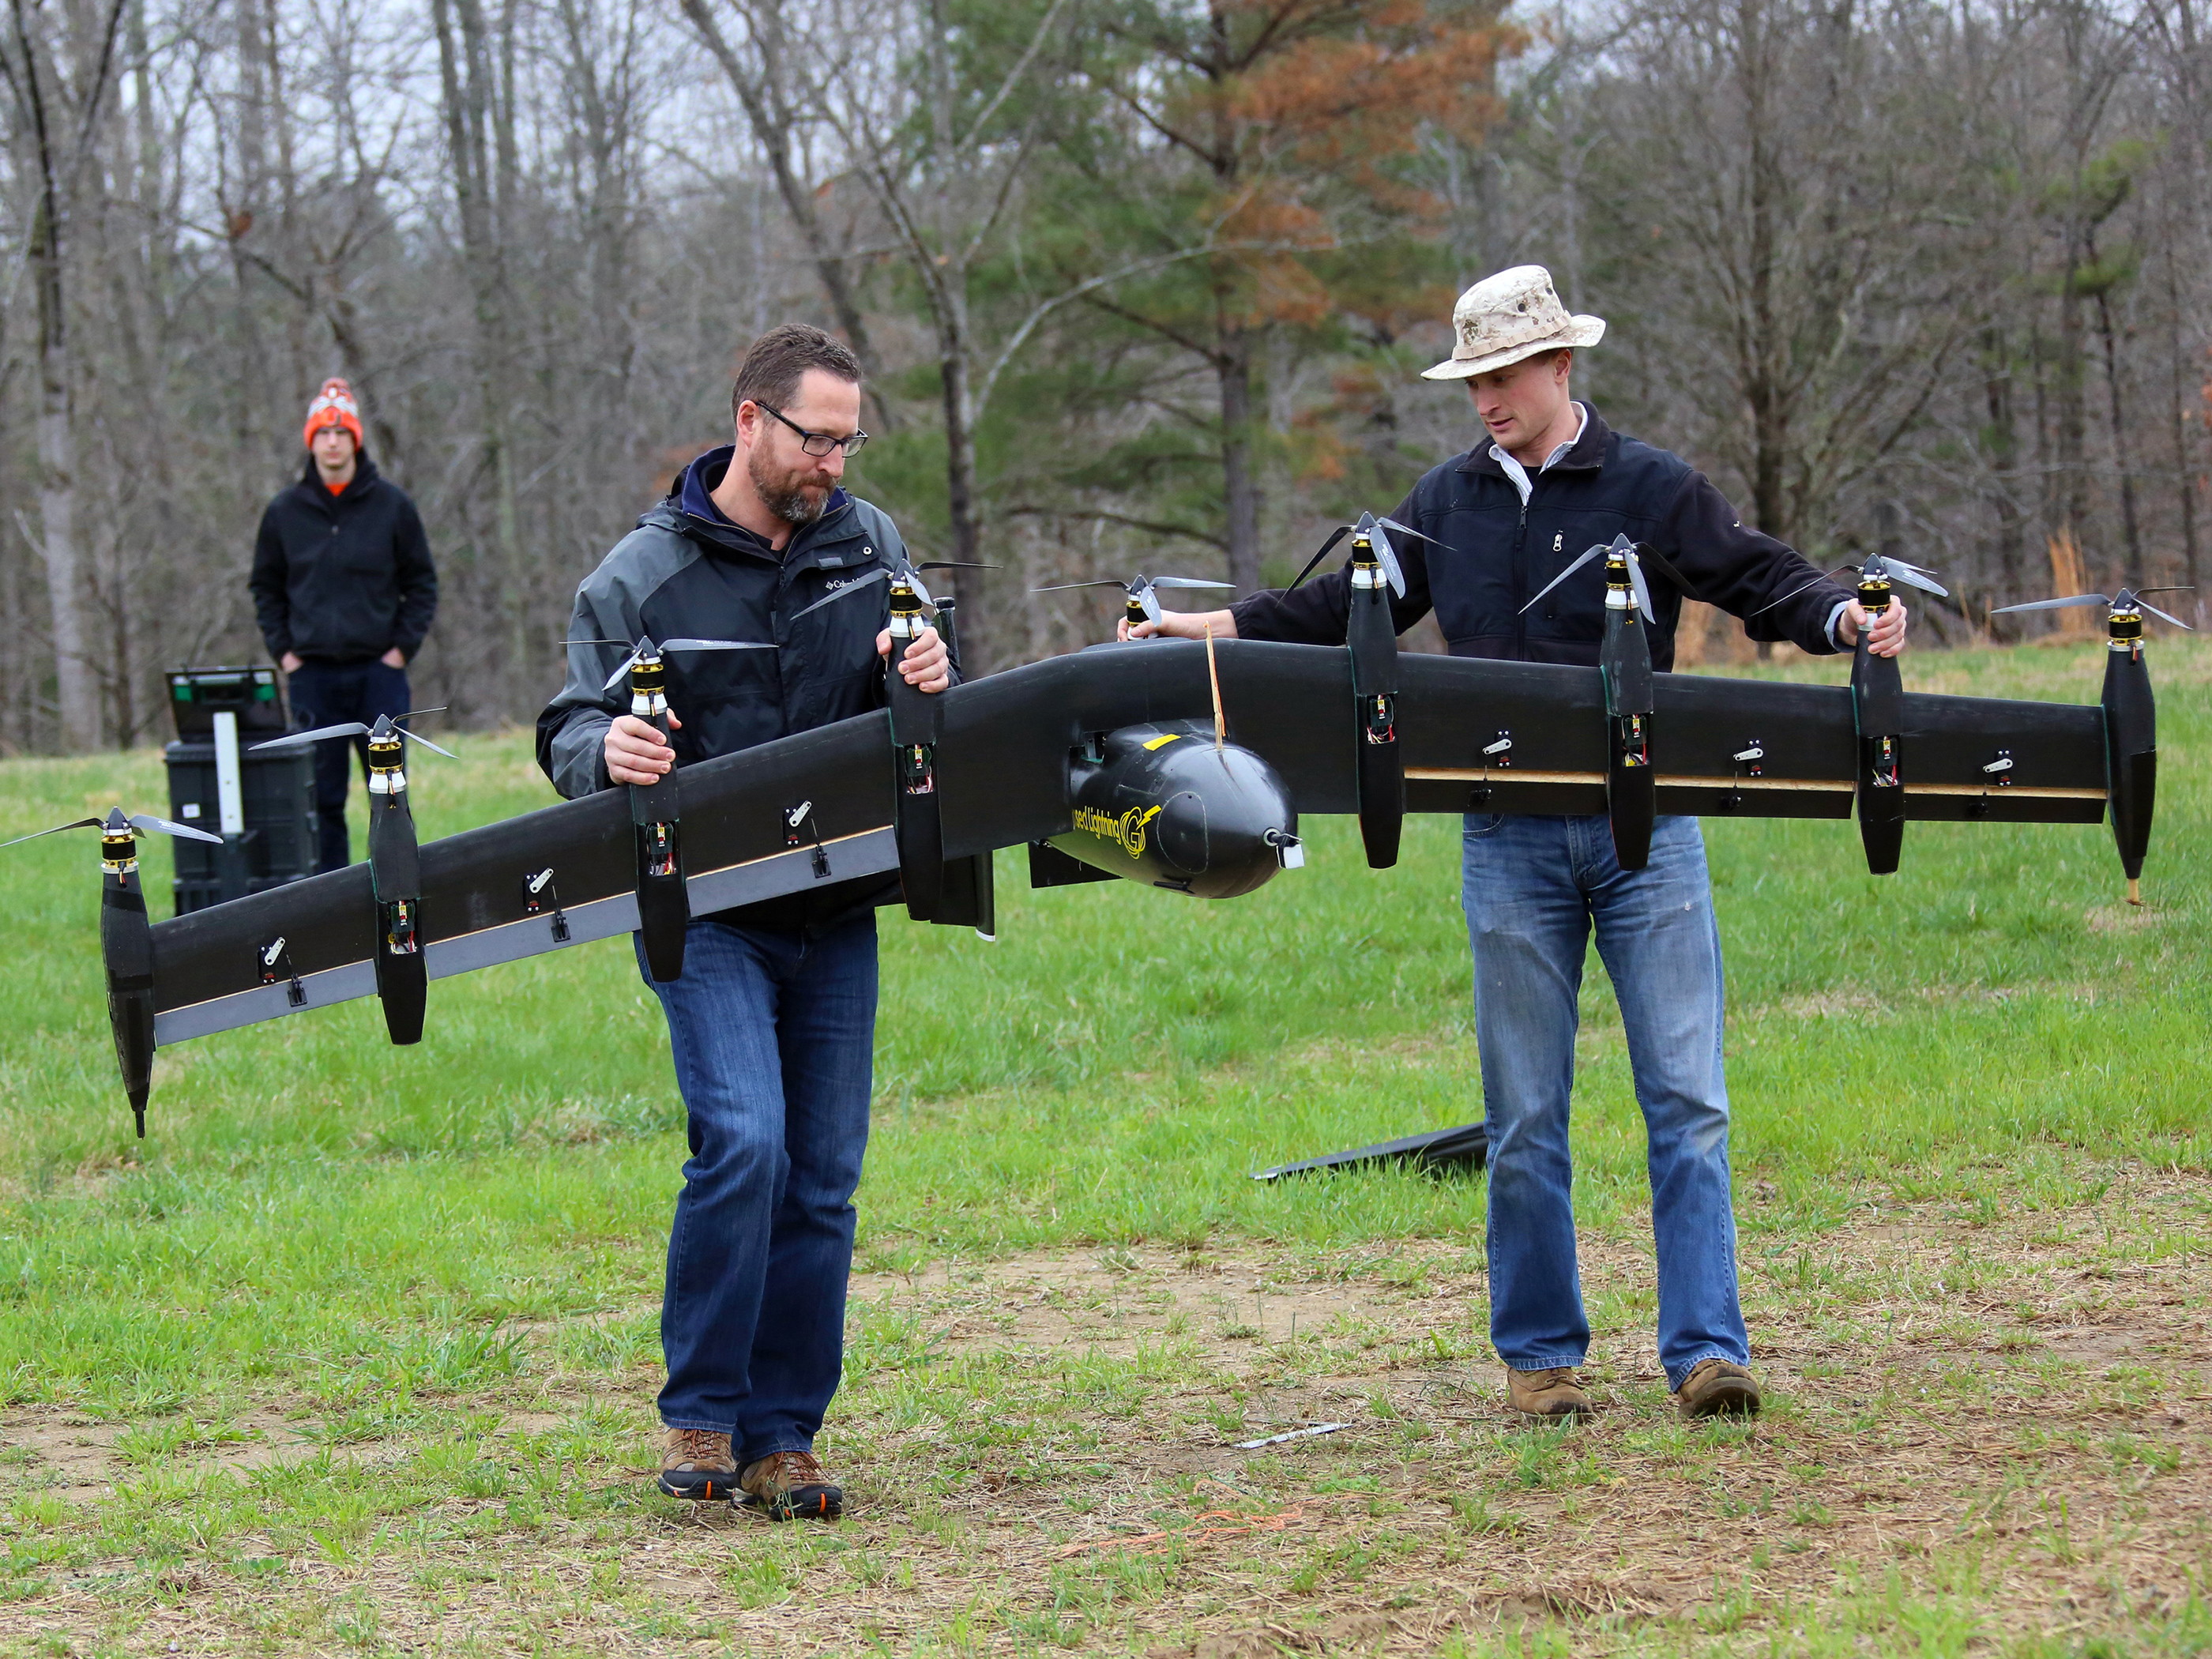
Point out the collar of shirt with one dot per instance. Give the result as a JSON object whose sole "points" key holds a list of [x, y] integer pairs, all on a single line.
{"points": [[1519, 474]]}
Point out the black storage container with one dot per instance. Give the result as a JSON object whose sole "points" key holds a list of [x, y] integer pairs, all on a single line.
{"points": [[275, 837], [197, 696], [277, 798]]}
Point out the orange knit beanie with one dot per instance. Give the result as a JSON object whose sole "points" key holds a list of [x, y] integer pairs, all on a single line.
{"points": [[333, 406]]}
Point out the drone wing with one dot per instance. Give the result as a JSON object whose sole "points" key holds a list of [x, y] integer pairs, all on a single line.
{"points": [[1003, 759], [818, 807], [476, 909], [1729, 748]]}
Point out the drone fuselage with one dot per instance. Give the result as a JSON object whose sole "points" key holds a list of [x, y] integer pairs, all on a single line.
{"points": [[1161, 805]]}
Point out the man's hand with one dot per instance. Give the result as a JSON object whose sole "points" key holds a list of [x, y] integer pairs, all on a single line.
{"points": [[1885, 639], [1180, 625], [925, 666], [635, 751], [289, 662], [394, 658]]}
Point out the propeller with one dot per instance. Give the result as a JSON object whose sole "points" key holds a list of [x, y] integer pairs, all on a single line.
{"points": [[355, 729], [644, 648], [1911, 574], [1636, 558], [115, 824], [1375, 530], [2125, 600], [904, 568], [1877, 566], [1140, 590]]}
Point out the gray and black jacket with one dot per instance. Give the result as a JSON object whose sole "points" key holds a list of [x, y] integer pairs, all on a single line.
{"points": [[682, 574]]}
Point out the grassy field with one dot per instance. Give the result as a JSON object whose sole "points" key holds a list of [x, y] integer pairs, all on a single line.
{"points": [[356, 1353]]}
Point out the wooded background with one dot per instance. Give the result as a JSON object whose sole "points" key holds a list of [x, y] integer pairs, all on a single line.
{"points": [[1140, 284]]}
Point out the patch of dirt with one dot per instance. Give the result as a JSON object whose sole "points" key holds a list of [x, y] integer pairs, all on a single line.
{"points": [[1111, 1300]]}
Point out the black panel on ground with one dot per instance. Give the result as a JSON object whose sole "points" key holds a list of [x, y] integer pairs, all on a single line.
{"points": [[1465, 1147]]}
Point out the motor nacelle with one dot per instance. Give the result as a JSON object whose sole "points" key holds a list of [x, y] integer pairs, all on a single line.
{"points": [[1163, 806]]}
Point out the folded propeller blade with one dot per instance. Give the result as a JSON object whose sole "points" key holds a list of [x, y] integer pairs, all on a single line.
{"points": [[1911, 574], [2070, 602], [140, 823], [417, 737], [628, 663], [1651, 557], [1336, 536], [1069, 587], [1189, 582], [1142, 593], [1641, 588], [81, 824], [1408, 530], [836, 593], [2162, 615], [1801, 588], [146, 825], [350, 729], [1385, 555], [715, 645], [1596, 550]]}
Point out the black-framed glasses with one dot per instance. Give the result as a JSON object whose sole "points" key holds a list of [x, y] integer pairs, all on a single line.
{"points": [[818, 444]]}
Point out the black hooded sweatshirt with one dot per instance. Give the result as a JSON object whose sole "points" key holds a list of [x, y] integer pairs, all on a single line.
{"points": [[343, 578]]}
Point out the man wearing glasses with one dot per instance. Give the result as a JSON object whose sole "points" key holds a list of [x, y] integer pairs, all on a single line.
{"points": [[773, 1021]]}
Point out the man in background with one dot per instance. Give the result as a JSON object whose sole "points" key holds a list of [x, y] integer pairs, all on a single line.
{"points": [[345, 591]]}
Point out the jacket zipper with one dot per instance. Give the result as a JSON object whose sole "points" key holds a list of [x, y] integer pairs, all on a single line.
{"points": [[1520, 578]]}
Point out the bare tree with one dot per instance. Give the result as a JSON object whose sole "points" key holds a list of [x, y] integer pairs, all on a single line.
{"points": [[58, 77]]}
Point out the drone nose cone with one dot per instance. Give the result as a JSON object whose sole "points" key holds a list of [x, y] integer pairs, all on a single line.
{"points": [[1234, 814], [1182, 829]]}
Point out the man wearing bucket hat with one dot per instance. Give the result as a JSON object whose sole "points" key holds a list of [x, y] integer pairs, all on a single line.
{"points": [[345, 591], [1548, 479]]}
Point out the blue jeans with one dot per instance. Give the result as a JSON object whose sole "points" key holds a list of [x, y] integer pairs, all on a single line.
{"points": [[1533, 889], [774, 1036], [330, 693]]}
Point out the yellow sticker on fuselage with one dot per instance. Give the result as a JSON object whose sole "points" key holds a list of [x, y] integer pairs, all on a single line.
{"points": [[1163, 741], [1125, 831]]}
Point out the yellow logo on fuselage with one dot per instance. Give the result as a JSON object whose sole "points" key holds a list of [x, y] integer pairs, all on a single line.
{"points": [[1127, 831]]}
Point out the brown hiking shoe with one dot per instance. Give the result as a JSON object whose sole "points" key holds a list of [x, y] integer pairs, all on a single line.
{"points": [[1551, 1393], [789, 1485], [1718, 1388], [696, 1463]]}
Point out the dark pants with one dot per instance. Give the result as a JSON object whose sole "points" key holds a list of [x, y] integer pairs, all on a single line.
{"points": [[330, 693], [774, 1036]]}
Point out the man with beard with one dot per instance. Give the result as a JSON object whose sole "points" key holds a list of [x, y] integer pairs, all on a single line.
{"points": [[773, 1020]]}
